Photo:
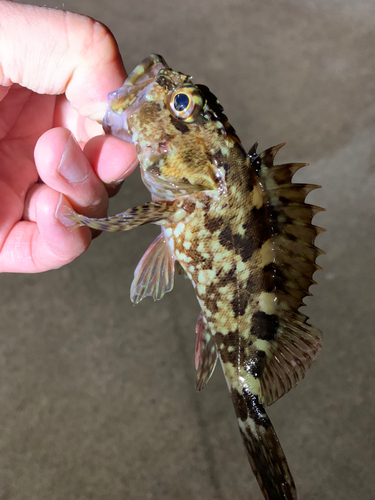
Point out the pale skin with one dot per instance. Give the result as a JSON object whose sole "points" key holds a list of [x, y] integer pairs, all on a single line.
{"points": [[55, 67]]}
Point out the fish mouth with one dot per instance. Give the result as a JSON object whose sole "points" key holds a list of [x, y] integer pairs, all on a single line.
{"points": [[130, 94], [148, 68]]}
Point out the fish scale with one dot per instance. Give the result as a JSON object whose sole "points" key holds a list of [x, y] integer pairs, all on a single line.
{"points": [[240, 230]]}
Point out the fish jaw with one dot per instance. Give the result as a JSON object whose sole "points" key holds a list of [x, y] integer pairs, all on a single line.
{"points": [[133, 91]]}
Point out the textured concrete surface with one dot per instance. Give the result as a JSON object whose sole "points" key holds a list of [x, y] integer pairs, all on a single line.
{"points": [[97, 397]]}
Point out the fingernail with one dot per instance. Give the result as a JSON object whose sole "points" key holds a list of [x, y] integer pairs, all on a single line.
{"points": [[74, 167], [114, 187], [126, 174], [94, 111], [61, 213]]}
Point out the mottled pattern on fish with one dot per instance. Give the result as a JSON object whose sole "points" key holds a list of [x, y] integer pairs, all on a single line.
{"points": [[240, 230]]}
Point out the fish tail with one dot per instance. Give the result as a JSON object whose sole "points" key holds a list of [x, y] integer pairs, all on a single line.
{"points": [[263, 449]]}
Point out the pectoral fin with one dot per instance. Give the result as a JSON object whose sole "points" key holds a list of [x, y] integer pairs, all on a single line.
{"points": [[151, 213], [154, 275], [205, 354]]}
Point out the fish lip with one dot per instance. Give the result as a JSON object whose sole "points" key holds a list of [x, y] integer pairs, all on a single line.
{"points": [[121, 101], [146, 67]]}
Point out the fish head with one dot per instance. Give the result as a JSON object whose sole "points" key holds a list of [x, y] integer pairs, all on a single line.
{"points": [[179, 129]]}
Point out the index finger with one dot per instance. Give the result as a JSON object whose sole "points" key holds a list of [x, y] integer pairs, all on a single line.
{"points": [[58, 52]]}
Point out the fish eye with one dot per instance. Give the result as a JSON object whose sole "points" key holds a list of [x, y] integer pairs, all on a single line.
{"points": [[181, 102], [185, 103]]}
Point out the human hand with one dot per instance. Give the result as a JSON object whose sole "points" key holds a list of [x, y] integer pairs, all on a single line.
{"points": [[58, 70]]}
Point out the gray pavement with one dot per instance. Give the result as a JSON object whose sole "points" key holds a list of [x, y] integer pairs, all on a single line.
{"points": [[97, 397]]}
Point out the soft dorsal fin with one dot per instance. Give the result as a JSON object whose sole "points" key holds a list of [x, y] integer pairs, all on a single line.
{"points": [[293, 235]]}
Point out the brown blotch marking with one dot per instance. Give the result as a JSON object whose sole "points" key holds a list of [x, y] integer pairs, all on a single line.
{"points": [[226, 237], [274, 278], [179, 125], [244, 246], [260, 225], [263, 280], [213, 224], [229, 340], [248, 405], [255, 284], [239, 405], [210, 303], [264, 326], [196, 256], [193, 252], [229, 278], [239, 303], [256, 410]]}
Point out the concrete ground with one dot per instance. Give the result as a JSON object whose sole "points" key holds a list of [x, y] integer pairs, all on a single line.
{"points": [[97, 397]]}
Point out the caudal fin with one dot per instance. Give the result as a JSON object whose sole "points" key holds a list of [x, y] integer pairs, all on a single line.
{"points": [[263, 449]]}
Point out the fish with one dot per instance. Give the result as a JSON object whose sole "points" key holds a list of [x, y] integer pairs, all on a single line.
{"points": [[235, 224]]}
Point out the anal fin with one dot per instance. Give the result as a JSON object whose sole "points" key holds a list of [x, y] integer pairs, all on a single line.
{"points": [[180, 270], [205, 354]]}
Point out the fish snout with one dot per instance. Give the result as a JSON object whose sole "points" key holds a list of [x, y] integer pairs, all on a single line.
{"points": [[125, 99]]}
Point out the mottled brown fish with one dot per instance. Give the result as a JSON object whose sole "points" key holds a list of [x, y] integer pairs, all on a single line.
{"points": [[237, 226]]}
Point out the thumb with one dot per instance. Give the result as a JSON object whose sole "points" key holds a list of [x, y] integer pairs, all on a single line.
{"points": [[58, 52]]}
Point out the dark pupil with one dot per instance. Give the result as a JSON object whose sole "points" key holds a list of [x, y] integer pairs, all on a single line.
{"points": [[181, 102]]}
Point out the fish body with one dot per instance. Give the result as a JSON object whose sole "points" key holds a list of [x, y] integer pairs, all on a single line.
{"points": [[240, 230]]}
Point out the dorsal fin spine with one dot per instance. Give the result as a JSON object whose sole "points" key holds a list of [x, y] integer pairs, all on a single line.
{"points": [[293, 235]]}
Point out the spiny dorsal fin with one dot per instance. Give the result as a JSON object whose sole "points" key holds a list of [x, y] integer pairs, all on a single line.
{"points": [[293, 234]]}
